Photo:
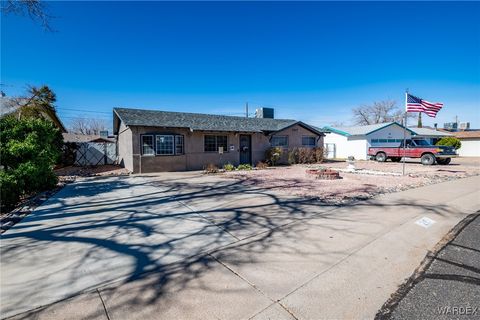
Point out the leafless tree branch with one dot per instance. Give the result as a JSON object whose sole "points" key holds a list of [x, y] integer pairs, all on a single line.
{"points": [[378, 112], [37, 10], [90, 126]]}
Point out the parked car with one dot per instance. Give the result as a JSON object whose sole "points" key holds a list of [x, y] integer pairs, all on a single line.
{"points": [[415, 148]]}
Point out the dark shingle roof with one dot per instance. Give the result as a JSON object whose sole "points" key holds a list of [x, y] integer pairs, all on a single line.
{"points": [[202, 122]]}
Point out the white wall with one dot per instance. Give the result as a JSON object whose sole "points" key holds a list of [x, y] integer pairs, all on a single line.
{"points": [[340, 143], [357, 146], [470, 148], [345, 147], [391, 132]]}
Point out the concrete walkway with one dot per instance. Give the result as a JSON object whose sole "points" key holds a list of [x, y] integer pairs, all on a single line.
{"points": [[195, 247]]}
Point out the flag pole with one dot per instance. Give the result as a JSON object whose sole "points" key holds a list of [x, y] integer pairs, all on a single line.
{"points": [[404, 132]]}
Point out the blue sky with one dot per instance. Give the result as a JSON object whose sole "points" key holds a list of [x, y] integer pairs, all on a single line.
{"points": [[312, 61]]}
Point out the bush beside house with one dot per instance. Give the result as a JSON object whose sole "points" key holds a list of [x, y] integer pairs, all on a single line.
{"points": [[305, 155], [29, 149], [450, 142]]}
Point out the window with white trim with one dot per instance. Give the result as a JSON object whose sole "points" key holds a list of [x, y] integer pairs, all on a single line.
{"points": [[179, 145], [212, 143], [164, 144], [279, 141], [147, 145], [309, 141]]}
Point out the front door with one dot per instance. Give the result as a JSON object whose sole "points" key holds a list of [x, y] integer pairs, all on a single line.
{"points": [[245, 149]]}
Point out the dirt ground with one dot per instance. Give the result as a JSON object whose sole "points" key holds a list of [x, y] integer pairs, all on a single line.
{"points": [[369, 179], [69, 173]]}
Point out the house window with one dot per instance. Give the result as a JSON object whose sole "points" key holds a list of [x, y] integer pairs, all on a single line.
{"points": [[164, 144], [308, 141], [179, 145], [279, 141], [375, 141], [147, 145], [212, 143]]}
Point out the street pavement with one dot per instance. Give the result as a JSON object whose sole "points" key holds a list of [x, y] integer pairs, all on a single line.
{"points": [[190, 246], [448, 287]]}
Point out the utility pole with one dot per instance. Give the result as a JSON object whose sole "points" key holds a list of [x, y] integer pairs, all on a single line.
{"points": [[246, 109]]}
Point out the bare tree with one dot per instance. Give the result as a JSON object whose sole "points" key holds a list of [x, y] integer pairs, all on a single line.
{"points": [[378, 112], [90, 126], [338, 124], [35, 9]]}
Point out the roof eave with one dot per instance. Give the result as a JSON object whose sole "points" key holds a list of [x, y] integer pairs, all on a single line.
{"points": [[340, 132]]}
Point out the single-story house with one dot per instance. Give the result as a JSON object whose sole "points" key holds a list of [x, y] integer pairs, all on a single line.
{"points": [[153, 141], [430, 134], [470, 143], [80, 138], [342, 142]]}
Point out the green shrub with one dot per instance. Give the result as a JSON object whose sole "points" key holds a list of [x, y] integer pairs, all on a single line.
{"points": [[450, 142], [272, 155], [10, 189], [29, 149], [228, 167], [245, 166]]}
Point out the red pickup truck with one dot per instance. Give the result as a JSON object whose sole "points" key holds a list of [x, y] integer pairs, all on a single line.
{"points": [[415, 148]]}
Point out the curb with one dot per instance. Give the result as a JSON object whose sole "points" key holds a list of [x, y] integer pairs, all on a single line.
{"points": [[391, 304]]}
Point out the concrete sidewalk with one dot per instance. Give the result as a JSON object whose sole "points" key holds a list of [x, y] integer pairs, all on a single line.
{"points": [[321, 263]]}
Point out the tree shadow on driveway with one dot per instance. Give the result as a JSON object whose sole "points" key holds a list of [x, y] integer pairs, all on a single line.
{"points": [[163, 236]]}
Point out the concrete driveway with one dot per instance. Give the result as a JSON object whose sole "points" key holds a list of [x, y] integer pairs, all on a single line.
{"points": [[186, 245]]}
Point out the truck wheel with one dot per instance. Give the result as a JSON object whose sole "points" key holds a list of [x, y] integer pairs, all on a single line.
{"points": [[428, 159], [396, 159], [444, 161], [381, 157]]}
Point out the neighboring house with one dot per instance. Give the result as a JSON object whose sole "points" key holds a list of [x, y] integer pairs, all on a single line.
{"points": [[430, 134], [152, 141], [12, 106], [470, 143], [343, 142], [90, 150]]}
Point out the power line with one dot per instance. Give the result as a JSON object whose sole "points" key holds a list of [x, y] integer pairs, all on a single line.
{"points": [[72, 117], [79, 110]]}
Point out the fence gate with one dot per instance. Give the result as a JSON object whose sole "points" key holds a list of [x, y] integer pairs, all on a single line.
{"points": [[330, 150], [95, 153]]}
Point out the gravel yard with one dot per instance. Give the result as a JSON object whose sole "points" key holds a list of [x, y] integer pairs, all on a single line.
{"points": [[382, 178]]}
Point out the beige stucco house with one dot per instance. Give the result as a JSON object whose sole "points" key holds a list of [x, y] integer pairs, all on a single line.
{"points": [[154, 141]]}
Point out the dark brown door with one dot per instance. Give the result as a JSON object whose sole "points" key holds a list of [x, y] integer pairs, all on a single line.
{"points": [[245, 149]]}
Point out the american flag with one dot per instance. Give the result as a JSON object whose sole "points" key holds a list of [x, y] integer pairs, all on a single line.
{"points": [[415, 104]]}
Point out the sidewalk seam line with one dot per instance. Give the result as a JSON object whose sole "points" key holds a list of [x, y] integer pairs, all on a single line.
{"points": [[242, 278], [347, 257], [103, 304]]}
